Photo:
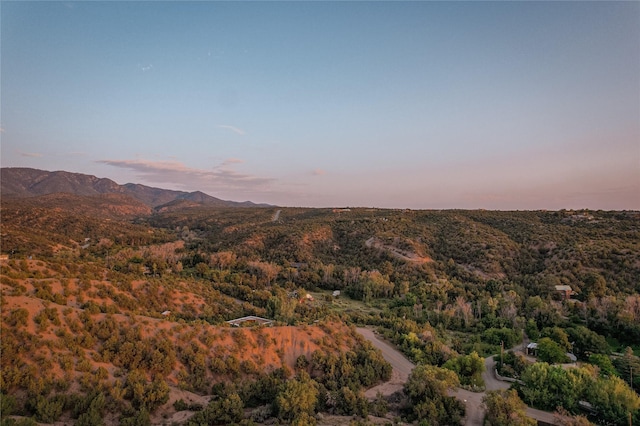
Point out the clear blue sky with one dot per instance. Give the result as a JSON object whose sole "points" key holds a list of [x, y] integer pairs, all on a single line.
{"points": [[497, 105]]}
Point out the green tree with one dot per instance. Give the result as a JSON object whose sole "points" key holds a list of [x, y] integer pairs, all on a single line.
{"points": [[505, 408], [468, 367], [628, 367], [140, 418], [586, 341], [559, 336], [547, 386], [297, 397], [614, 400], [350, 402], [48, 410], [8, 404], [604, 363], [495, 336], [224, 411], [93, 416], [534, 391], [144, 394], [594, 285], [531, 328], [551, 352], [427, 389]]}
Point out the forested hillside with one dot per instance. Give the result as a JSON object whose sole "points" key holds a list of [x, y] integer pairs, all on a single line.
{"points": [[110, 311]]}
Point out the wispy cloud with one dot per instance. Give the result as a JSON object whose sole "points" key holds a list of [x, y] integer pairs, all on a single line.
{"points": [[236, 130], [30, 154], [230, 161], [219, 178], [145, 68], [319, 172]]}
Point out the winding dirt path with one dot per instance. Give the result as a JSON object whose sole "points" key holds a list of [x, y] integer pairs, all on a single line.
{"points": [[401, 366], [473, 400]]}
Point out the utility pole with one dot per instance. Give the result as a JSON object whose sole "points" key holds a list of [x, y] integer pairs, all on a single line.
{"points": [[501, 352]]}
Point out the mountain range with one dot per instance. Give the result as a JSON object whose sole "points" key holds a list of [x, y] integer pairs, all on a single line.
{"points": [[27, 182]]}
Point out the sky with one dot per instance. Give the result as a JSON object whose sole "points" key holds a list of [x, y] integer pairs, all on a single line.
{"points": [[390, 104]]}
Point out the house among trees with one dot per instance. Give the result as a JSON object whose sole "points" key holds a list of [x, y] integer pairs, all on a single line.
{"points": [[532, 349], [564, 291]]}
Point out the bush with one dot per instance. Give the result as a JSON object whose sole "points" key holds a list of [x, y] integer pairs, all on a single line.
{"points": [[141, 418], [180, 405], [8, 404], [49, 410], [18, 317], [26, 421], [220, 412], [297, 396], [92, 415]]}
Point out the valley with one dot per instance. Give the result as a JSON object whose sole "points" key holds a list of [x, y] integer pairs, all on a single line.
{"points": [[116, 312]]}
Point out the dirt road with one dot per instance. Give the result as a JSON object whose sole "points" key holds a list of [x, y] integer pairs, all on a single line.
{"points": [[473, 400], [401, 366]]}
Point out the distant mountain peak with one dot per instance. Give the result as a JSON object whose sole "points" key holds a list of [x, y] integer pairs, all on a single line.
{"points": [[28, 182]]}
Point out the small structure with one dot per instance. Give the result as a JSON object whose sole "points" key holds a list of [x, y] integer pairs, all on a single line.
{"points": [[4, 257], [532, 349], [251, 318], [587, 406], [166, 313], [336, 293], [565, 291]]}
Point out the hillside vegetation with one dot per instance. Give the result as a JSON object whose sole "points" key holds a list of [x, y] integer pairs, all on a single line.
{"points": [[114, 314]]}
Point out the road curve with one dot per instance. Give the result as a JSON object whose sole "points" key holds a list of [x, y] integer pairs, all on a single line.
{"points": [[401, 366], [489, 376], [473, 400]]}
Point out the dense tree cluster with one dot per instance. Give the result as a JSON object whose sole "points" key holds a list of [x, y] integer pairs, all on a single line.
{"points": [[448, 287], [505, 408], [427, 389], [548, 387]]}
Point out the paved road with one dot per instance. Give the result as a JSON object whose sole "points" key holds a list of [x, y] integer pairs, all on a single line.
{"points": [[489, 376], [473, 400]]}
